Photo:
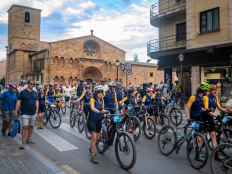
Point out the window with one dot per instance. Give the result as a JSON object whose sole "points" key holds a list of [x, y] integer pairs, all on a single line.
{"points": [[27, 17], [209, 20], [151, 74], [181, 31]]}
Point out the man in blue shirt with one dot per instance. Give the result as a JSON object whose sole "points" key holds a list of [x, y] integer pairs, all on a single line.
{"points": [[8, 103], [28, 104]]}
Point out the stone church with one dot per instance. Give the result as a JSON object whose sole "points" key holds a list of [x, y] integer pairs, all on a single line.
{"points": [[65, 61]]}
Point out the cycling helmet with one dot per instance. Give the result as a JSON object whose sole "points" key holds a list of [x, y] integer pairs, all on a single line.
{"points": [[99, 88], [205, 86], [150, 90], [111, 84]]}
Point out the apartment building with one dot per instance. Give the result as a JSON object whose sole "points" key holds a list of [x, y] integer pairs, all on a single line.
{"points": [[195, 40]]}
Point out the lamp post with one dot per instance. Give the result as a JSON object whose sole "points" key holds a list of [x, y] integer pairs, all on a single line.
{"points": [[181, 59], [117, 65]]}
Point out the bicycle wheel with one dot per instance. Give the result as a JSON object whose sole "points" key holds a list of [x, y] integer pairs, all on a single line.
{"points": [[81, 122], [176, 117], [149, 128], [102, 143], [221, 159], [55, 119], [164, 120], [125, 151], [72, 119], [197, 151], [167, 140], [133, 127]]}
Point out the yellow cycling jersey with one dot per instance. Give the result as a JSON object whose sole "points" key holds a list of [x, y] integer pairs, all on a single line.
{"points": [[192, 99]]}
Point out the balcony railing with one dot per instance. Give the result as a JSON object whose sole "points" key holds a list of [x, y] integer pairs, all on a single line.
{"points": [[166, 7], [166, 43]]}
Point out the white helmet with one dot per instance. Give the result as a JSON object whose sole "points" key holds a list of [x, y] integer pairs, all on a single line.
{"points": [[112, 84], [98, 88]]}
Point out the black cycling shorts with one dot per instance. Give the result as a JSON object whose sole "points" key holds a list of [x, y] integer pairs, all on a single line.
{"points": [[94, 126]]}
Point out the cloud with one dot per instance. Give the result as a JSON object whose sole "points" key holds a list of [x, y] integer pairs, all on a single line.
{"points": [[87, 5], [80, 9], [129, 30], [47, 6], [2, 54]]}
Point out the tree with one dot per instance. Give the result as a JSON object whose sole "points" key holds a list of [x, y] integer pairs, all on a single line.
{"points": [[136, 58]]}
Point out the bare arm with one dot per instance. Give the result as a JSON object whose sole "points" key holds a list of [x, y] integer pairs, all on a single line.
{"points": [[18, 105]]}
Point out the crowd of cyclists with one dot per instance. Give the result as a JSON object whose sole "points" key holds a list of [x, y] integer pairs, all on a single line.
{"points": [[110, 113]]}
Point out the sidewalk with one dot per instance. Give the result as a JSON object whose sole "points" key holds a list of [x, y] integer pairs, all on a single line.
{"points": [[15, 161]]}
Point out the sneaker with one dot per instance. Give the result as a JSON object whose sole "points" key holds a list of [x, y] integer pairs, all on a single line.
{"points": [[21, 147], [93, 159], [30, 142]]}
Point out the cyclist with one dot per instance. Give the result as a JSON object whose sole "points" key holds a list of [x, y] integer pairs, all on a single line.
{"points": [[196, 104], [110, 98], [50, 94], [148, 100], [212, 103], [8, 100], [94, 120], [85, 97], [42, 108]]}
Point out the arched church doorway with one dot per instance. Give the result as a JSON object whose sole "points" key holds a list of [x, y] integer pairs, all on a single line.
{"points": [[92, 74]]}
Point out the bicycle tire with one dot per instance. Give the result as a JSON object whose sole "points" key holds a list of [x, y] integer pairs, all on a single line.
{"points": [[72, 119], [191, 145], [117, 144], [55, 115], [152, 123], [166, 129], [177, 118], [81, 122]]}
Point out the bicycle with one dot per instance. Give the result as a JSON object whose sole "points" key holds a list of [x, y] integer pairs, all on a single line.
{"points": [[131, 123], [169, 141], [112, 132], [52, 116]]}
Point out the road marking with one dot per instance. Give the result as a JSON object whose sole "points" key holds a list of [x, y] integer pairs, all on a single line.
{"points": [[69, 170], [56, 141], [73, 131]]}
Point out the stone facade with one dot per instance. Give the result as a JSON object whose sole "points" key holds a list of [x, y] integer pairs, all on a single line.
{"points": [[2, 69], [65, 61]]}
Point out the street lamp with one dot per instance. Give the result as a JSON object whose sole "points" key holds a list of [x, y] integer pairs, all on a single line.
{"points": [[117, 65], [181, 59]]}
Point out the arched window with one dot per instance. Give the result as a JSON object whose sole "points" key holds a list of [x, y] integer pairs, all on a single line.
{"points": [[71, 61], [27, 17], [76, 61]]}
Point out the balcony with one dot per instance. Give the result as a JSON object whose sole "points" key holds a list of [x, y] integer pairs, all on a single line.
{"points": [[165, 9], [166, 44]]}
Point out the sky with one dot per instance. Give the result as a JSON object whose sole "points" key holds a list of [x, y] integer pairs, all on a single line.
{"points": [[124, 23]]}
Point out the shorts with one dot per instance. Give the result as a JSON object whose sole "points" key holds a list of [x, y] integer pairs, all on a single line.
{"points": [[42, 109], [94, 126], [28, 120], [8, 116]]}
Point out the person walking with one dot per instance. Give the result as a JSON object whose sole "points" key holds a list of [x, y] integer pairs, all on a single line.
{"points": [[8, 100], [28, 106]]}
